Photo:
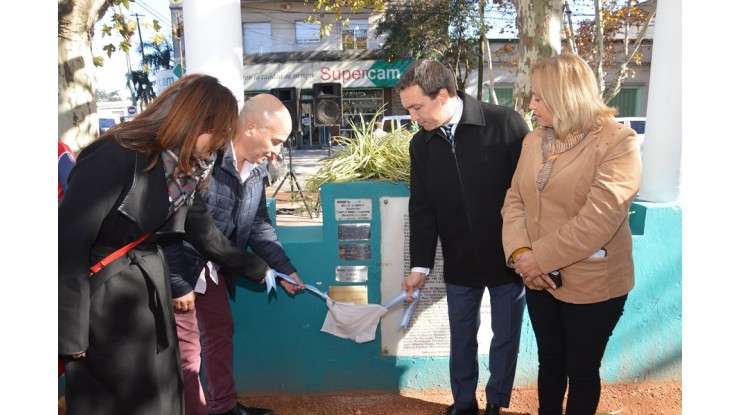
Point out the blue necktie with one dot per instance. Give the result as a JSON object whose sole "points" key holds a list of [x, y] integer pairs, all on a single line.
{"points": [[447, 128]]}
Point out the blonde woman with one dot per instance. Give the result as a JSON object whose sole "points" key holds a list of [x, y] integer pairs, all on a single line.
{"points": [[566, 229]]}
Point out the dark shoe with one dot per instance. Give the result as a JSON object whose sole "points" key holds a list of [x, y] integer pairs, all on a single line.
{"points": [[452, 411], [240, 409], [492, 410]]}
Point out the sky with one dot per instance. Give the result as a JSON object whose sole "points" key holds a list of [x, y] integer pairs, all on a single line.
{"points": [[112, 76]]}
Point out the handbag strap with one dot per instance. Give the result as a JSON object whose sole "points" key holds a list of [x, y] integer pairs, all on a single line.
{"points": [[117, 254]]}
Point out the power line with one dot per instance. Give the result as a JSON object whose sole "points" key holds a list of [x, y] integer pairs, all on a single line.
{"points": [[165, 20]]}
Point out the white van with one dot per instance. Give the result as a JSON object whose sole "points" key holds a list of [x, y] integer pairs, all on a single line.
{"points": [[394, 122]]}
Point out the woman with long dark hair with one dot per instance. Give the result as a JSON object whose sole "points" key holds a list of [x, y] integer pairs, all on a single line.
{"points": [[116, 326]]}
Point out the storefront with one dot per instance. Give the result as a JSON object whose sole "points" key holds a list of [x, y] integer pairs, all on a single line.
{"points": [[366, 89]]}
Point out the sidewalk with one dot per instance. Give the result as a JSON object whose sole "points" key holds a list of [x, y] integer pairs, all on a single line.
{"points": [[291, 210]]}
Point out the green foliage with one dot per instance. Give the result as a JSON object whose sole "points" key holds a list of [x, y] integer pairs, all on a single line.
{"points": [[143, 86], [416, 29], [157, 56], [365, 157], [447, 31], [124, 28]]}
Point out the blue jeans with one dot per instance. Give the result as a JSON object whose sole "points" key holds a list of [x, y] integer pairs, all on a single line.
{"points": [[571, 340], [507, 310]]}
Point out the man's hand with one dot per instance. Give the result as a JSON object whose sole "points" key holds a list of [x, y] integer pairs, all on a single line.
{"points": [[291, 288], [184, 303], [414, 281]]}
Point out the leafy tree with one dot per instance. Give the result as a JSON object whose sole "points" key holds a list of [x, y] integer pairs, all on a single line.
{"points": [[447, 31], [157, 56], [143, 87], [612, 40], [78, 123], [414, 30]]}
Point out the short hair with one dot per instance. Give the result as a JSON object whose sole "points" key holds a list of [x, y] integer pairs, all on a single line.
{"points": [[568, 87], [192, 105], [431, 76]]}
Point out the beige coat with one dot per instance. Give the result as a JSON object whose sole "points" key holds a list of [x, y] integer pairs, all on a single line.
{"points": [[583, 207]]}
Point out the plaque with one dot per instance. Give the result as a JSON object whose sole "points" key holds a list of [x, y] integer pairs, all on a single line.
{"points": [[349, 294], [354, 252], [351, 273], [353, 231], [353, 209]]}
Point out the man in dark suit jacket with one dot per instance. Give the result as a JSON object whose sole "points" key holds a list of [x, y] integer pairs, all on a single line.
{"points": [[462, 162]]}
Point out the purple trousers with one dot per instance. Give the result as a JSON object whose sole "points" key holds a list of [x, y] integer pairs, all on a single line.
{"points": [[208, 331]]}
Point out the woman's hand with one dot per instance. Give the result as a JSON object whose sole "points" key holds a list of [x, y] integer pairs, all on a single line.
{"points": [[533, 277], [539, 282], [185, 303]]}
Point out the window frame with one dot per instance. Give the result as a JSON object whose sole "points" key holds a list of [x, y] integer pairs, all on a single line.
{"points": [[309, 33], [262, 38]]}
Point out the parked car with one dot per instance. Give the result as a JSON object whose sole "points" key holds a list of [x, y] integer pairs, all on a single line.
{"points": [[394, 122], [637, 124]]}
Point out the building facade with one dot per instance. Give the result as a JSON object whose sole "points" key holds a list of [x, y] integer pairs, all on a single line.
{"points": [[283, 52]]}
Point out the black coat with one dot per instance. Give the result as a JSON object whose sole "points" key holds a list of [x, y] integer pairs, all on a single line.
{"points": [[122, 317], [457, 193]]}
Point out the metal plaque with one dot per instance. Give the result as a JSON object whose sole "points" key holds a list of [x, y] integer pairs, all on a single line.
{"points": [[353, 209], [349, 294], [354, 252], [351, 273], [353, 231]]}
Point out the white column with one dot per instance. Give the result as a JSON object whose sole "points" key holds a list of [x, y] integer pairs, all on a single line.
{"points": [[662, 161], [213, 29]]}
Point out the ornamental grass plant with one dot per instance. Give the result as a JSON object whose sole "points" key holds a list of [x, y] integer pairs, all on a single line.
{"points": [[362, 156]]}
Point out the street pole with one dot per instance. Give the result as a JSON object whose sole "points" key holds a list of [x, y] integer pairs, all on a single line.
{"points": [[141, 42], [141, 47]]}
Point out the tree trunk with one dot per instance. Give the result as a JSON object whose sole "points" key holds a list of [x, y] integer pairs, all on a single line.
{"points": [[539, 23], [599, 42], [78, 121]]}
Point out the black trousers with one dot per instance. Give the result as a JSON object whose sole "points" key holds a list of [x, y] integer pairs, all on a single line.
{"points": [[571, 340]]}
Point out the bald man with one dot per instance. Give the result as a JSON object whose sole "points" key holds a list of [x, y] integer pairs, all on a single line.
{"points": [[236, 199]]}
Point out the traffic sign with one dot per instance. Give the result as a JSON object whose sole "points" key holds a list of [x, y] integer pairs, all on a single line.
{"points": [[131, 110]]}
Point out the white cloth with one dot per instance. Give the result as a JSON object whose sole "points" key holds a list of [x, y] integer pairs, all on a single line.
{"points": [[352, 321], [200, 285]]}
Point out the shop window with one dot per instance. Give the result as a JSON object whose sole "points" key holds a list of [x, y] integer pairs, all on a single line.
{"points": [[257, 37], [360, 106], [355, 35]]}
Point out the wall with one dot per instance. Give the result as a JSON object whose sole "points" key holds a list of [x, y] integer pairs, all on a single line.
{"points": [[280, 348]]}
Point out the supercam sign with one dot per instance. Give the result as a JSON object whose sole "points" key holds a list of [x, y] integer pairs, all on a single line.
{"points": [[352, 74]]}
